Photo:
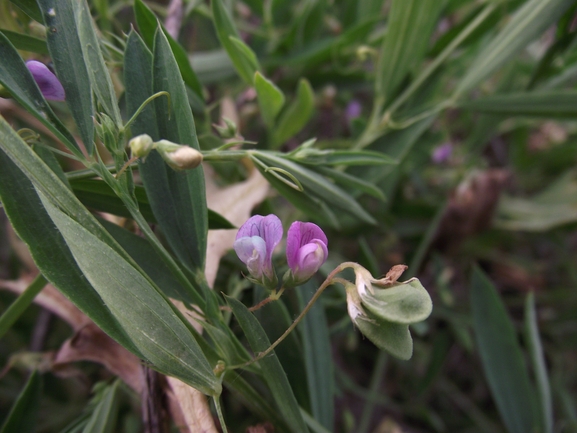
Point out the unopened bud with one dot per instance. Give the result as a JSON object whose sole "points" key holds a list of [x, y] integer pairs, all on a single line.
{"points": [[230, 129], [141, 145], [177, 156]]}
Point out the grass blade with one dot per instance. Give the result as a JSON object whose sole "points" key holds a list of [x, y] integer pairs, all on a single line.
{"points": [[536, 349], [22, 416], [501, 357]]}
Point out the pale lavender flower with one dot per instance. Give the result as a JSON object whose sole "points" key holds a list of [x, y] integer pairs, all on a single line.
{"points": [[47, 82], [306, 251], [353, 110], [442, 153], [255, 241]]}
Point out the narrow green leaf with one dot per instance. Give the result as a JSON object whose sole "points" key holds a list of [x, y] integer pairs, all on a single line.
{"points": [[30, 8], [46, 245], [138, 306], [403, 47], [100, 80], [271, 367], [97, 195], [150, 262], [246, 52], [539, 367], [296, 115], [65, 47], [318, 358], [340, 157], [103, 418], [173, 194], [254, 400], [528, 22], [349, 182], [317, 186], [22, 416], [26, 43], [15, 76], [147, 23], [501, 357], [309, 205], [225, 28], [270, 98], [555, 103], [15, 310]]}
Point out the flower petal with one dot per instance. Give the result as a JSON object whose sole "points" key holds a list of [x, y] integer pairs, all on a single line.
{"points": [[300, 234], [252, 252], [47, 82]]}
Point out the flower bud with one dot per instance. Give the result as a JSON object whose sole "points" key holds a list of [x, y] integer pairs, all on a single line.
{"points": [[230, 130], [178, 157], [47, 82], [141, 145]]}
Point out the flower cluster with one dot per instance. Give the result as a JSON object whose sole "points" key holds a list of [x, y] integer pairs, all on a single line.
{"points": [[306, 250]]}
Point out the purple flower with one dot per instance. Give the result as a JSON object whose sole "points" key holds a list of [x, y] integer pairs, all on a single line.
{"points": [[306, 251], [46, 80], [442, 153], [254, 245], [353, 110]]}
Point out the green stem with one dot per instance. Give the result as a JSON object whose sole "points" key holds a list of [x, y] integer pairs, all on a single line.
{"points": [[328, 281], [143, 106], [23, 301], [219, 414]]}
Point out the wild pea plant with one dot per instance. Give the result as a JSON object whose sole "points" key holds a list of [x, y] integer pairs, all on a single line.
{"points": [[132, 122], [101, 271]]}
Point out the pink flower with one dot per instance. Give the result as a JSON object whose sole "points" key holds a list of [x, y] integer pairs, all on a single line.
{"points": [[255, 241], [47, 82], [306, 251]]}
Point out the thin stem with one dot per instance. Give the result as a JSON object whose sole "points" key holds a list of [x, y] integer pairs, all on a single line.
{"points": [[144, 104], [126, 165], [218, 408], [328, 281], [272, 297]]}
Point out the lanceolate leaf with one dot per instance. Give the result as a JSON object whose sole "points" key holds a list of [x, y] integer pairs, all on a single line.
{"points": [[147, 23], [317, 186], [15, 76], [225, 28], [65, 47], [173, 195], [22, 416], [318, 358], [48, 249], [296, 115], [271, 367], [527, 24], [404, 47], [502, 358], [30, 8], [142, 312], [26, 43], [553, 103], [270, 98], [97, 71]]}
